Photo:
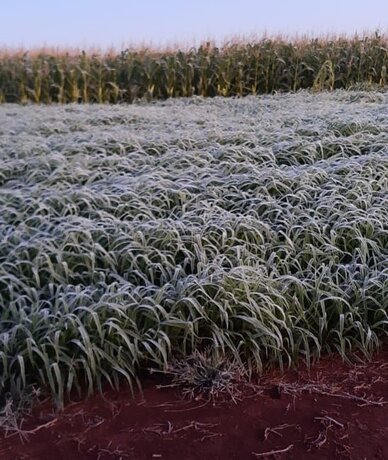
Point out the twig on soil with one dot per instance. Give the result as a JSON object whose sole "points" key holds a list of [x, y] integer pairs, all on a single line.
{"points": [[365, 401], [273, 452], [115, 453], [325, 390], [202, 428], [197, 426], [320, 440], [190, 408], [38, 428], [276, 430], [208, 436], [167, 404], [330, 420], [158, 429]]}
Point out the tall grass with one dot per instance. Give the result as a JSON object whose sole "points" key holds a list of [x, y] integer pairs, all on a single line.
{"points": [[236, 69], [133, 234]]}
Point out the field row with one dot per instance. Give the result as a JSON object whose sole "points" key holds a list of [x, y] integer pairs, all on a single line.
{"points": [[133, 234]]}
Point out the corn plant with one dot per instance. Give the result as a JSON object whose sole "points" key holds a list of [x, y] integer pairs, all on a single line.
{"points": [[234, 69]]}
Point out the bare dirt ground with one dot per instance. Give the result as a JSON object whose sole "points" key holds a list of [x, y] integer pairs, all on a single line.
{"points": [[334, 411]]}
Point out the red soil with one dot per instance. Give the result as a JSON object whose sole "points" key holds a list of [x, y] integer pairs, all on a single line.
{"points": [[335, 411]]}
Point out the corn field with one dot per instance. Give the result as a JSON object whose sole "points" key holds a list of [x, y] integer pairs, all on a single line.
{"points": [[239, 69], [131, 235]]}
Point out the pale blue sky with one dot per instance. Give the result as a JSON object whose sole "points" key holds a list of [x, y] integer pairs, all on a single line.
{"points": [[121, 23]]}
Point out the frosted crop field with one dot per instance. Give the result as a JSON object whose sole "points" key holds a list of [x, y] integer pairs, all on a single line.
{"points": [[134, 234]]}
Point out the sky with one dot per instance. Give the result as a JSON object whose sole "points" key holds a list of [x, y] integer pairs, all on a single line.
{"points": [[124, 23]]}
